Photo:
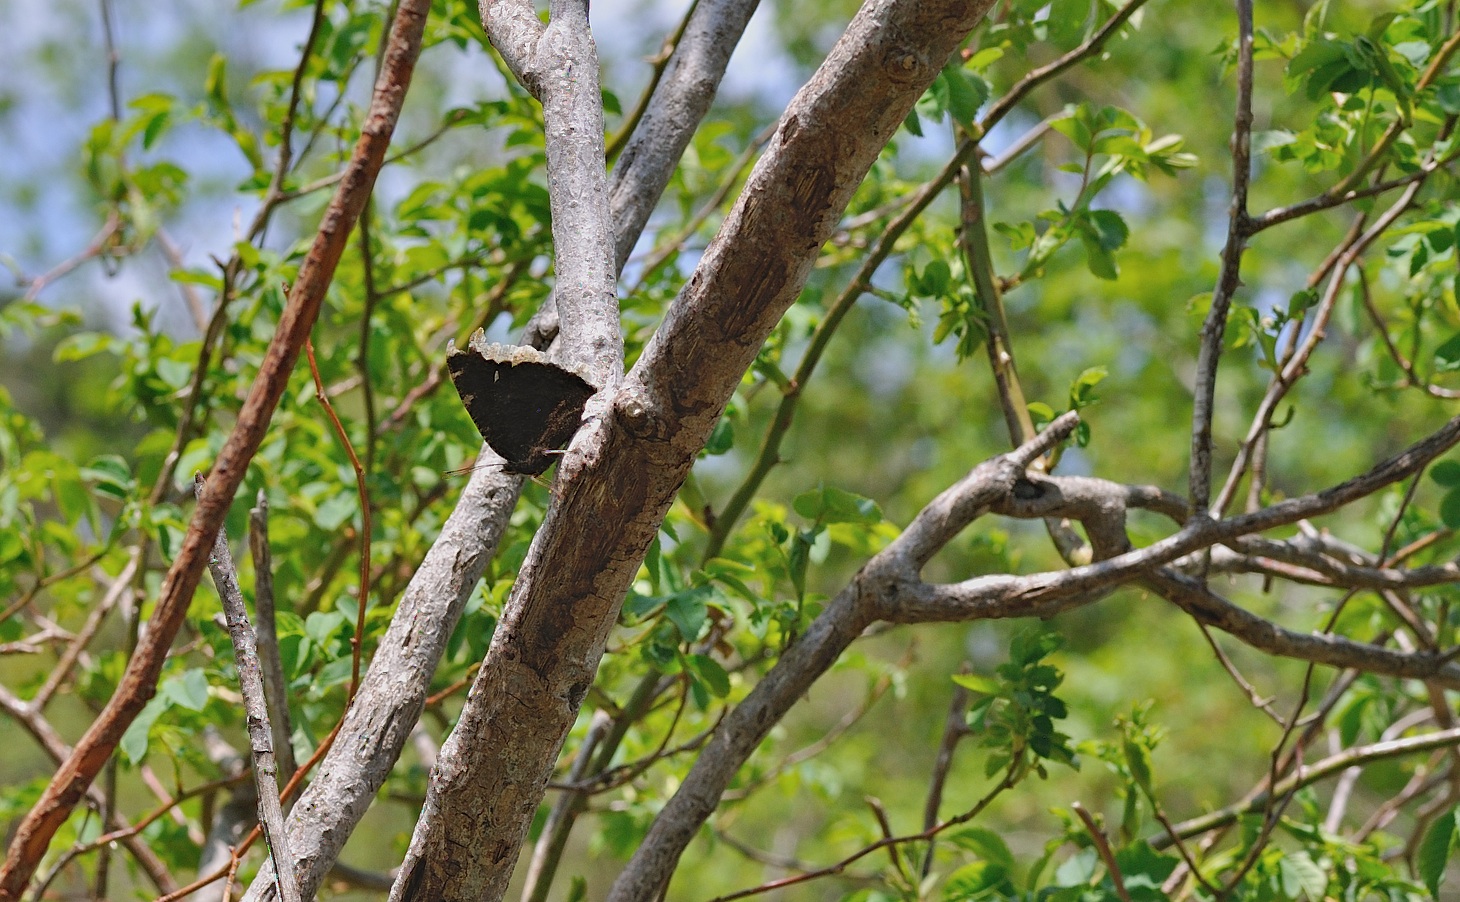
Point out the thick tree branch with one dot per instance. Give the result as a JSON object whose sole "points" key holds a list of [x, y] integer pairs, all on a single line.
{"points": [[393, 690], [394, 687], [912, 206], [1254, 554], [888, 588], [567, 596], [1208, 607], [572, 112], [271, 664], [1047, 594], [684, 94], [880, 583]]}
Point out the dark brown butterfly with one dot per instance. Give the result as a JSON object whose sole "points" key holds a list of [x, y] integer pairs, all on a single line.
{"points": [[524, 405]]}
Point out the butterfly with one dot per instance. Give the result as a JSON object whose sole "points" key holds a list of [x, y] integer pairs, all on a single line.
{"points": [[524, 405]]}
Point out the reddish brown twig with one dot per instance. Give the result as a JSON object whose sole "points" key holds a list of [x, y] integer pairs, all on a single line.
{"points": [[139, 681]]}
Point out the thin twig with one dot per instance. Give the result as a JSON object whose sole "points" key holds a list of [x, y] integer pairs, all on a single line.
{"points": [[1308, 774], [1290, 369], [256, 710], [955, 728], [659, 62], [1102, 846], [1008, 781], [1230, 278], [362, 596], [270, 661]]}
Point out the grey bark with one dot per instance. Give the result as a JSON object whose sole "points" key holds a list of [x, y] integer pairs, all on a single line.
{"points": [[541, 661], [565, 74], [255, 709], [682, 98], [686, 89], [393, 691], [883, 580], [394, 687], [275, 687], [612, 493], [889, 588]]}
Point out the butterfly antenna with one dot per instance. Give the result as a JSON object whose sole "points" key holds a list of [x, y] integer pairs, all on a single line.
{"points": [[463, 471]]}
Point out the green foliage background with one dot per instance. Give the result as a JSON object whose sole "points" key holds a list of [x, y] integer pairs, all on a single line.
{"points": [[1107, 231]]}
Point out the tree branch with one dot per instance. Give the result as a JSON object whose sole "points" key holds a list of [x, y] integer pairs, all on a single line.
{"points": [[256, 709], [880, 583], [394, 687], [1308, 774], [568, 592], [1230, 278]]}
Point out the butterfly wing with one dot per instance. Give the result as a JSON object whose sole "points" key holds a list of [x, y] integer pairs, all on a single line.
{"points": [[552, 399], [525, 409]]}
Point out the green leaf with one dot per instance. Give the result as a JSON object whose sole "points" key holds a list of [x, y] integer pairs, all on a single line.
{"points": [[187, 690], [1270, 141], [984, 843], [912, 124], [1138, 760], [699, 694], [1020, 235], [975, 683], [1434, 851], [712, 673], [215, 83], [1301, 300], [333, 513], [1082, 390], [687, 611], [1075, 127], [828, 504], [984, 57], [134, 742], [577, 889], [966, 93], [110, 476], [798, 559], [1446, 472], [622, 832], [334, 673], [972, 879], [1041, 412], [1447, 355], [1145, 870], [175, 373], [1301, 876], [1077, 869], [321, 626], [935, 280], [1066, 22], [82, 345], [722, 437], [1102, 232], [1450, 508]]}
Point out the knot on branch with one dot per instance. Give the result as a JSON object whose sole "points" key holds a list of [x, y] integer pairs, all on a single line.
{"points": [[905, 64], [1099, 505], [634, 412]]}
